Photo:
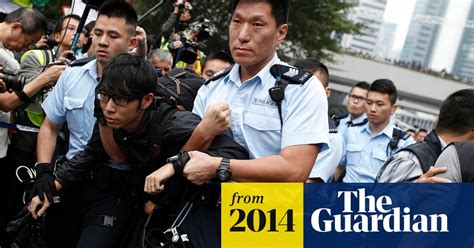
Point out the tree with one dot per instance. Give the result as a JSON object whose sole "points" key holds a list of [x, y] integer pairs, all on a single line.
{"points": [[313, 25]]}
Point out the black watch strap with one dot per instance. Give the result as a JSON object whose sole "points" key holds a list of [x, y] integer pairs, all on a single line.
{"points": [[179, 161], [23, 97], [223, 173]]}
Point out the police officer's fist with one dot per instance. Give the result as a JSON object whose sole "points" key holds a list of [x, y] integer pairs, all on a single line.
{"points": [[216, 120]]}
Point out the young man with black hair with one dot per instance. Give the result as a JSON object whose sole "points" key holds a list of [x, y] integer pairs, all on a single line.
{"points": [[147, 133], [328, 160], [283, 142], [72, 101], [370, 145], [455, 124], [421, 135], [355, 107]]}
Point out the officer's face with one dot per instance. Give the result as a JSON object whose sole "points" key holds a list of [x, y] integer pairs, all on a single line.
{"points": [[112, 36], [357, 99], [254, 34], [379, 108]]}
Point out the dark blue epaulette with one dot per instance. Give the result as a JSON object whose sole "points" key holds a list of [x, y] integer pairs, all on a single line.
{"points": [[338, 117], [219, 75], [332, 126], [289, 73]]}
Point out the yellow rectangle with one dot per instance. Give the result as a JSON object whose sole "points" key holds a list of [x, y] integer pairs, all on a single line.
{"points": [[262, 215]]}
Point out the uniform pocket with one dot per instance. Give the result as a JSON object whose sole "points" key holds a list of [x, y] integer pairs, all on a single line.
{"points": [[75, 120]]}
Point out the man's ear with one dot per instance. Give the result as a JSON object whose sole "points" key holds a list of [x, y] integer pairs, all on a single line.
{"points": [[147, 100], [394, 108], [282, 31], [16, 26], [132, 43]]}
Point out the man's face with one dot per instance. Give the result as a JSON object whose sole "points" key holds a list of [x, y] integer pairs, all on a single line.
{"points": [[213, 66], [379, 108], [120, 115], [420, 136], [185, 15], [111, 37], [253, 33], [17, 41], [163, 65], [356, 104], [68, 31]]}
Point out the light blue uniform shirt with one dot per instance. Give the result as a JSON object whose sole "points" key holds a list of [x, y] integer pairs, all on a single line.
{"points": [[72, 101], [328, 160], [342, 127], [255, 122], [365, 153]]}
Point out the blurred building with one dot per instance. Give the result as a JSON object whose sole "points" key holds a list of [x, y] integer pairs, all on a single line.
{"points": [[441, 36], [370, 13]]}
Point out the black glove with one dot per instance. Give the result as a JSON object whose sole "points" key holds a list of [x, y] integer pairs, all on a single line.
{"points": [[44, 182], [179, 161]]}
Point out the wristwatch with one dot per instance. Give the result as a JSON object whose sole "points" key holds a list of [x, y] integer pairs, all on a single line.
{"points": [[179, 161], [223, 173]]}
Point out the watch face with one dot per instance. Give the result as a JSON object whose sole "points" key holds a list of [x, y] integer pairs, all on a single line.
{"points": [[223, 175]]}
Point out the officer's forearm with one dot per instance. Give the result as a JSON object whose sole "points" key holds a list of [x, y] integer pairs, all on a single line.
{"points": [[47, 135]]}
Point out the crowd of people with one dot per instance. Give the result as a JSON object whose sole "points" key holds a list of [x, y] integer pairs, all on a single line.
{"points": [[114, 133]]}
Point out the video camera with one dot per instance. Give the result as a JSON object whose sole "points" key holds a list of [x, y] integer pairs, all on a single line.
{"points": [[199, 31]]}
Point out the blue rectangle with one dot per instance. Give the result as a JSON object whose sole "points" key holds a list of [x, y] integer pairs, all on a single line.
{"points": [[389, 215]]}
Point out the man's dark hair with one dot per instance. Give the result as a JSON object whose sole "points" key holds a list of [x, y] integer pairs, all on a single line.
{"points": [[120, 10], [32, 21], [130, 76], [60, 22], [457, 113], [220, 55], [280, 9], [385, 86], [362, 84], [422, 130], [314, 65]]}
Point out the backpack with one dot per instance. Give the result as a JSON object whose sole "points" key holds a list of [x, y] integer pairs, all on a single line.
{"points": [[180, 86]]}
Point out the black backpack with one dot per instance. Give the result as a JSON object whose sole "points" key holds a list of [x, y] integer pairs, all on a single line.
{"points": [[180, 86]]}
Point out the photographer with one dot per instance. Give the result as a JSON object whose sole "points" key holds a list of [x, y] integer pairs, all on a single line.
{"points": [[178, 21], [20, 29]]}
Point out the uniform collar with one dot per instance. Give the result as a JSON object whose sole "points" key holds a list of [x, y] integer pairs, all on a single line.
{"points": [[262, 77], [91, 68], [358, 119], [388, 130]]}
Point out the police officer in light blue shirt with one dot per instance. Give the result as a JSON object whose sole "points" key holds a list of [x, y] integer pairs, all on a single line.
{"points": [[329, 159], [283, 144], [355, 107], [370, 145]]}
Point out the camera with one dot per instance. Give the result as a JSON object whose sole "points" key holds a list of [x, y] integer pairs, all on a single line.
{"points": [[14, 82], [192, 42]]}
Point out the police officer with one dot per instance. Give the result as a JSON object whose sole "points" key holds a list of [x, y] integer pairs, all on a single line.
{"points": [[329, 159], [369, 145], [355, 107]]}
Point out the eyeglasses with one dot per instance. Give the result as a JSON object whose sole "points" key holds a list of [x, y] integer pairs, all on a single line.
{"points": [[118, 100], [356, 98]]}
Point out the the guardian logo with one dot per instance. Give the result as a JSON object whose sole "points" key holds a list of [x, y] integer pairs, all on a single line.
{"points": [[374, 215]]}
